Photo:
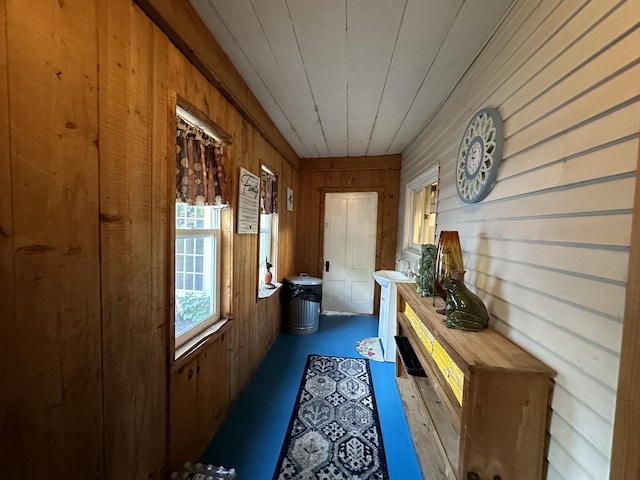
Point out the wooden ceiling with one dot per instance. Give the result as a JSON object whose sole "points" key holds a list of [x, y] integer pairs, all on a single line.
{"points": [[351, 77]]}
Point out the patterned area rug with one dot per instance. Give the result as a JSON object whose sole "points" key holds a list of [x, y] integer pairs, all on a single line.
{"points": [[334, 432], [370, 348]]}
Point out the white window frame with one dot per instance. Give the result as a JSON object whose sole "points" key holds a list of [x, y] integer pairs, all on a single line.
{"points": [[214, 234], [272, 230], [412, 188]]}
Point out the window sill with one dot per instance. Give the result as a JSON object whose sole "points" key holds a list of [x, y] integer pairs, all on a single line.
{"points": [[264, 292], [185, 352]]}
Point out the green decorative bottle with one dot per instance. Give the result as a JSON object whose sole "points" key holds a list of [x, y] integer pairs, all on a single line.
{"points": [[426, 270]]}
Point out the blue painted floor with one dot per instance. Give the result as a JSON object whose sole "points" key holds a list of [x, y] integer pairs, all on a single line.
{"points": [[251, 436]]}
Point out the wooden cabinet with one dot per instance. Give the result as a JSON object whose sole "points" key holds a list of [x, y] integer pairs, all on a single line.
{"points": [[481, 412], [198, 402]]}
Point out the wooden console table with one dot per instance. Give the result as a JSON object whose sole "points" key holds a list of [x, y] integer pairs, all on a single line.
{"points": [[481, 412]]}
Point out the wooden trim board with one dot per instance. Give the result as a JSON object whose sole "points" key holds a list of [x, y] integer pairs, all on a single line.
{"points": [[179, 21], [625, 462], [332, 164]]}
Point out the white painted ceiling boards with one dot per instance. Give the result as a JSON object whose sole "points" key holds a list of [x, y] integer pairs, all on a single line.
{"points": [[351, 77]]}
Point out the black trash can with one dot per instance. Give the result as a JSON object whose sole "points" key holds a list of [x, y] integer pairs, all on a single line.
{"points": [[303, 295]]}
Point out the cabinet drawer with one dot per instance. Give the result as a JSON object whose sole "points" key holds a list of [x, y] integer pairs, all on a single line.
{"points": [[421, 330], [450, 371]]}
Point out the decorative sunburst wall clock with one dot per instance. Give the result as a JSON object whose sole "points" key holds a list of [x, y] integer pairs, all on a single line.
{"points": [[479, 155]]}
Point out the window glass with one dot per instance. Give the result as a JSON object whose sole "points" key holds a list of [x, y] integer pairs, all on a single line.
{"points": [[421, 198], [267, 245], [424, 215], [196, 269], [268, 241]]}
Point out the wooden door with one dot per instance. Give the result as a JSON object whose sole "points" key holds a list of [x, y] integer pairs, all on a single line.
{"points": [[350, 223]]}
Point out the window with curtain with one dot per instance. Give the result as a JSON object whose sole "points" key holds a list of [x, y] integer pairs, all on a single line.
{"points": [[200, 176], [201, 191], [268, 242]]}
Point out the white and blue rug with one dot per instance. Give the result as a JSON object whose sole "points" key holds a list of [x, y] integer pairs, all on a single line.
{"points": [[334, 432], [370, 348]]}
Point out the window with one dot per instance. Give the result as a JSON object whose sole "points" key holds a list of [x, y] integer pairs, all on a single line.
{"points": [[201, 195], [268, 242], [420, 210], [197, 269], [424, 215]]}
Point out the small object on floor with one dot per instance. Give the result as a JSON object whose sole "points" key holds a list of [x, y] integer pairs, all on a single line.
{"points": [[199, 471], [370, 348]]}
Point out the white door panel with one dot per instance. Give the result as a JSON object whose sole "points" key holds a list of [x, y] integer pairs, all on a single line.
{"points": [[350, 249]]}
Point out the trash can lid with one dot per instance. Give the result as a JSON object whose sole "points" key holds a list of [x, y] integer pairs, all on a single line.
{"points": [[303, 279]]}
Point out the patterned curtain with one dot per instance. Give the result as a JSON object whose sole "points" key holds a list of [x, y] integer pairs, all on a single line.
{"points": [[268, 193], [200, 177]]}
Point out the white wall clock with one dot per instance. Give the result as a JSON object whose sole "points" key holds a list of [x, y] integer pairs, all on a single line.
{"points": [[479, 155]]}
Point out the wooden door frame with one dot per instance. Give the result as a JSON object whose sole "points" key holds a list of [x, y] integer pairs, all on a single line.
{"points": [[625, 461], [380, 191]]}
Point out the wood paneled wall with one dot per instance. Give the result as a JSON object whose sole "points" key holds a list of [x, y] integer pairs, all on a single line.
{"points": [[50, 332], [86, 178], [548, 249], [134, 223], [254, 334], [198, 400], [351, 174], [11, 437]]}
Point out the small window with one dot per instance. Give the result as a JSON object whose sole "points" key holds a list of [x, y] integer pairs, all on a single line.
{"points": [[268, 242], [268, 245], [420, 211], [424, 215], [197, 299]]}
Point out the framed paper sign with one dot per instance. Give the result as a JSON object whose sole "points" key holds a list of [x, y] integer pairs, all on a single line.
{"points": [[290, 199], [248, 202]]}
